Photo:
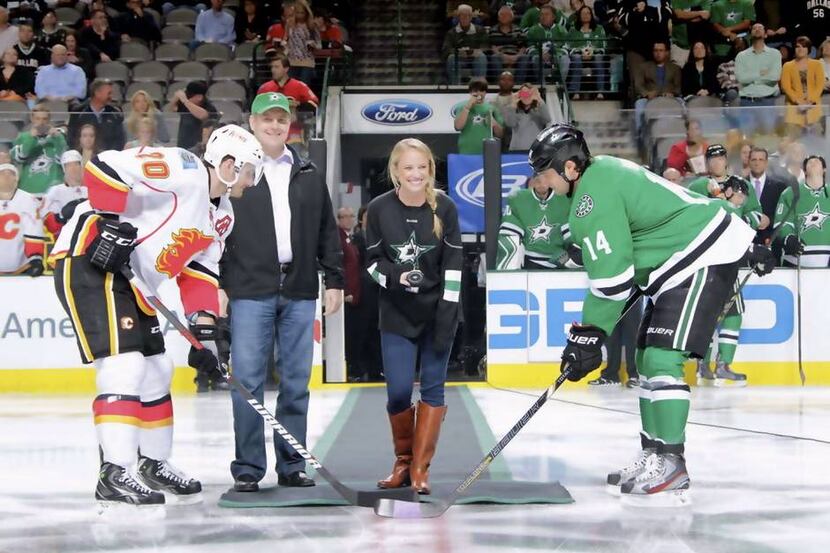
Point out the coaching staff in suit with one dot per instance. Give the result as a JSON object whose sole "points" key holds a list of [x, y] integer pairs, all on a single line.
{"points": [[282, 233]]}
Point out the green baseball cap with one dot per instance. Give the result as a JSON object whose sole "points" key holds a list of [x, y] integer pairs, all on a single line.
{"points": [[270, 100]]}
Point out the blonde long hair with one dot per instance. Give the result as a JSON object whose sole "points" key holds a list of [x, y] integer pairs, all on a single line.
{"points": [[134, 117], [431, 193]]}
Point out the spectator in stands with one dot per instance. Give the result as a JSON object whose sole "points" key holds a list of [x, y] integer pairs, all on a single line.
{"points": [[802, 82], [77, 55], [145, 133], [61, 80], [215, 25], [208, 126], [30, 56], [687, 156], [519, 7], [550, 39], [16, 84], [251, 25], [731, 20], [739, 162], [331, 35], [295, 90], [103, 44], [142, 105], [295, 37], [481, 12], [824, 57], [659, 77], [700, 74], [645, 25], [507, 49], [786, 53], [134, 22], [353, 266], [38, 152], [673, 175], [194, 108], [779, 23], [728, 82], [503, 101], [464, 47], [572, 17], [475, 119], [767, 187], [526, 117], [758, 70], [587, 40], [88, 144], [533, 15], [50, 34], [99, 111], [8, 33], [812, 20], [792, 170], [690, 20]]}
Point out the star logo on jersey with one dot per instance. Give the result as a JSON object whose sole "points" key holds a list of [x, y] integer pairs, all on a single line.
{"points": [[186, 243], [542, 231], [585, 205], [410, 251], [479, 119], [814, 219], [732, 16]]}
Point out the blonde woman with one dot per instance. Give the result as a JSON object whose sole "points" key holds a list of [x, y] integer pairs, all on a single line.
{"points": [[414, 253], [145, 133], [141, 105]]}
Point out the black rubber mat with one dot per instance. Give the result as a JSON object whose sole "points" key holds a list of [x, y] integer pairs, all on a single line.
{"points": [[357, 448]]}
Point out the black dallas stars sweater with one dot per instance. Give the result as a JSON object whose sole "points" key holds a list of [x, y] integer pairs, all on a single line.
{"points": [[400, 238]]}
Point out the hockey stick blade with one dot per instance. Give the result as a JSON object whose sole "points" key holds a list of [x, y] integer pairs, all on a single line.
{"points": [[352, 496], [391, 508]]}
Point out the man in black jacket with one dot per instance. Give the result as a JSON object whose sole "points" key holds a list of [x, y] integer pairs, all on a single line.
{"points": [[99, 111], [283, 231], [767, 187]]}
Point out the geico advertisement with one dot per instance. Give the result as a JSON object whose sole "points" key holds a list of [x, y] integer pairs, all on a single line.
{"points": [[528, 314], [36, 333]]}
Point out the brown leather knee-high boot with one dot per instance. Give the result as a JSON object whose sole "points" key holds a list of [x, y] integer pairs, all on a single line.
{"points": [[427, 429], [403, 430]]}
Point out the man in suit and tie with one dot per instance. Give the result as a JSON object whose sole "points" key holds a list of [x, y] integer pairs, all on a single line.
{"points": [[768, 188]]}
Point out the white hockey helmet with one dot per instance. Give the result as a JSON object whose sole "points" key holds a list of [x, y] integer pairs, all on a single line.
{"points": [[234, 141]]}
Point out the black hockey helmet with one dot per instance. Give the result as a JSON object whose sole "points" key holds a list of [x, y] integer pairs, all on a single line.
{"points": [[715, 150], [813, 156], [557, 144], [737, 184]]}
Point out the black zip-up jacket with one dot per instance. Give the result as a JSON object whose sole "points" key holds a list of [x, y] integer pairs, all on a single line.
{"points": [[249, 266]]}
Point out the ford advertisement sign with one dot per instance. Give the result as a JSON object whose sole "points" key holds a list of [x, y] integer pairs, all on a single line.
{"points": [[466, 184], [396, 112]]}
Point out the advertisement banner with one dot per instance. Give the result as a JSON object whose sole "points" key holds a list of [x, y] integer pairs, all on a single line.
{"points": [[466, 184]]}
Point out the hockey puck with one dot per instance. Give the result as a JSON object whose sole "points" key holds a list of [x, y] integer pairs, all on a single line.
{"points": [[414, 278]]}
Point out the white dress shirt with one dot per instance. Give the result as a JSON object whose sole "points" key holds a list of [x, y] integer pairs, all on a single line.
{"points": [[278, 175]]}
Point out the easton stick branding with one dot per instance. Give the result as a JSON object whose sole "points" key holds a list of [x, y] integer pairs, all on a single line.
{"points": [[292, 441]]}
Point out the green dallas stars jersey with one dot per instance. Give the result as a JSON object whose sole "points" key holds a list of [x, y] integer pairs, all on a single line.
{"points": [[535, 224], [750, 211], [637, 228], [811, 212]]}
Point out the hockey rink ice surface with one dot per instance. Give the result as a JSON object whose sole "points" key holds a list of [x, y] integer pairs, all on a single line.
{"points": [[752, 493]]}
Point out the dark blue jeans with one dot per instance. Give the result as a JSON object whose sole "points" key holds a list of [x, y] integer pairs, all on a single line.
{"points": [[399, 356], [259, 327]]}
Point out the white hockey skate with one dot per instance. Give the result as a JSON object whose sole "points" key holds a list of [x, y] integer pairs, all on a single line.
{"points": [[615, 480], [663, 483]]}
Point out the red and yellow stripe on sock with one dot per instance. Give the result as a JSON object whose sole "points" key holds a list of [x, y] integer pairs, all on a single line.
{"points": [[116, 408], [157, 413]]}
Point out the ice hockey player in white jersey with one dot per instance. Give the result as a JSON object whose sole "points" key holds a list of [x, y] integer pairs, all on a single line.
{"points": [[151, 208], [22, 245], [61, 200]]}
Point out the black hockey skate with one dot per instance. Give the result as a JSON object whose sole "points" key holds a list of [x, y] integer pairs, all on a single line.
{"points": [[116, 486], [602, 381], [704, 374], [162, 477]]}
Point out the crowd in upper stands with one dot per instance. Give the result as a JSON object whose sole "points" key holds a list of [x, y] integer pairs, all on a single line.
{"points": [[82, 75]]}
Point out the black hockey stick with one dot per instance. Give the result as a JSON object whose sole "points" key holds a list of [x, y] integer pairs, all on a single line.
{"points": [[392, 508], [801, 374], [354, 497]]}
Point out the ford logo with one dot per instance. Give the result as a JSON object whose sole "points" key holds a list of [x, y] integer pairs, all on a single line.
{"points": [[396, 111], [514, 175]]}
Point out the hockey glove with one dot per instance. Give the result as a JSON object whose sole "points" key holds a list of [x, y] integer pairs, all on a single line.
{"points": [[792, 245], [67, 211], [35, 268], [206, 360], [583, 353], [760, 259], [111, 249]]}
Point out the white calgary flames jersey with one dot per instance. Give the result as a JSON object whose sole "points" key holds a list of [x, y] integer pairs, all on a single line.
{"points": [[21, 232], [57, 197], [164, 193]]}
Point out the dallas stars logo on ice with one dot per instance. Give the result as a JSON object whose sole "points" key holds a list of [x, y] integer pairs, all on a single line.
{"points": [[814, 219], [585, 205], [410, 251], [541, 231]]}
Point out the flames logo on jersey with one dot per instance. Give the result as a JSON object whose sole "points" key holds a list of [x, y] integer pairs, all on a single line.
{"points": [[187, 242]]}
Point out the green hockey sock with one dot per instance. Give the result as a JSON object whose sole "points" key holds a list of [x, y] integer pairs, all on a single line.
{"points": [[666, 393], [646, 410], [728, 335]]}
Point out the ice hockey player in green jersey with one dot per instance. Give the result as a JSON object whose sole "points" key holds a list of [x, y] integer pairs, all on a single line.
{"points": [[804, 237], [533, 221], [740, 199], [643, 234]]}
